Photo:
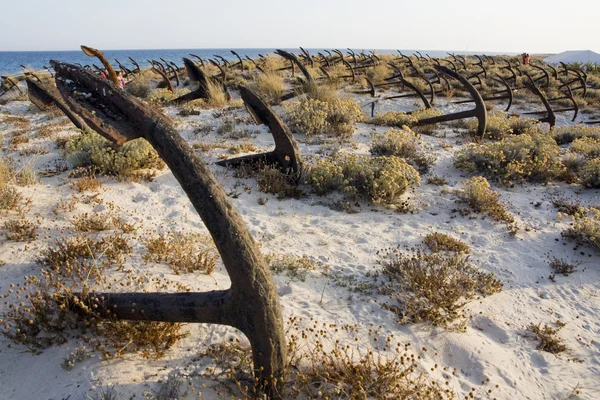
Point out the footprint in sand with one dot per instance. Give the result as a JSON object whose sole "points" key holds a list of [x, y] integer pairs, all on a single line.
{"points": [[470, 366], [490, 329]]}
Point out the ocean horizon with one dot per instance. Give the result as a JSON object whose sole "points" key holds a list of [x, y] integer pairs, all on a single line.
{"points": [[11, 61]]}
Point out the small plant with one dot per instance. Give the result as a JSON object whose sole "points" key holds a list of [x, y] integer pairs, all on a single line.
{"points": [[589, 174], [547, 336], [296, 268], [560, 266], [379, 180], [403, 143], [172, 389], [441, 242], [184, 253], [81, 353], [585, 228], [432, 287], [26, 175], [86, 183], [92, 222], [437, 180], [270, 179], [399, 119], [10, 198], [227, 126], [500, 125], [586, 146], [21, 230], [242, 148], [321, 367], [480, 197], [159, 97], [141, 85], [50, 308]]}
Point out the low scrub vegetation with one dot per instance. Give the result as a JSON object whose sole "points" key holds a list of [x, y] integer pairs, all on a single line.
{"points": [[500, 124], [296, 268], [437, 242], [100, 156], [547, 336], [142, 84], [480, 197], [322, 366], [50, 308], [21, 230], [432, 287], [585, 227], [567, 134], [379, 179], [271, 179], [403, 143], [399, 119], [516, 159], [322, 111]]}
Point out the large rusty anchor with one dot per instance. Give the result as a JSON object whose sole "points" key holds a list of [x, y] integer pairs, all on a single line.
{"points": [[250, 304]]}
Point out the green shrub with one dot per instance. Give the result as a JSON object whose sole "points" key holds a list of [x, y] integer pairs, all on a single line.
{"points": [[93, 151], [312, 116], [566, 134], [379, 179], [589, 174], [403, 143], [499, 125], [585, 228], [515, 159], [587, 147], [480, 197]]}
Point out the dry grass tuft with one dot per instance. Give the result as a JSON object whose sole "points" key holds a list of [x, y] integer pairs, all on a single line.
{"points": [[296, 268], [270, 86], [53, 307], [183, 252], [441, 242], [432, 287], [547, 335], [21, 230]]}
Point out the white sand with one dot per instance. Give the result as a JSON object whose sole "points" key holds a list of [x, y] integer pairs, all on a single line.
{"points": [[495, 345]]}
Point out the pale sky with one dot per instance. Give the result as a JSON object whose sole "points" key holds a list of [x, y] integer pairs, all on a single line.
{"points": [[534, 26]]}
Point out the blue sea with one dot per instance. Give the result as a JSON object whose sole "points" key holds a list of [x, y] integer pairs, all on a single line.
{"points": [[11, 61]]}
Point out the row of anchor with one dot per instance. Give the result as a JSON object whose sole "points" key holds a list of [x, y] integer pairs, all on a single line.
{"points": [[484, 78]]}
